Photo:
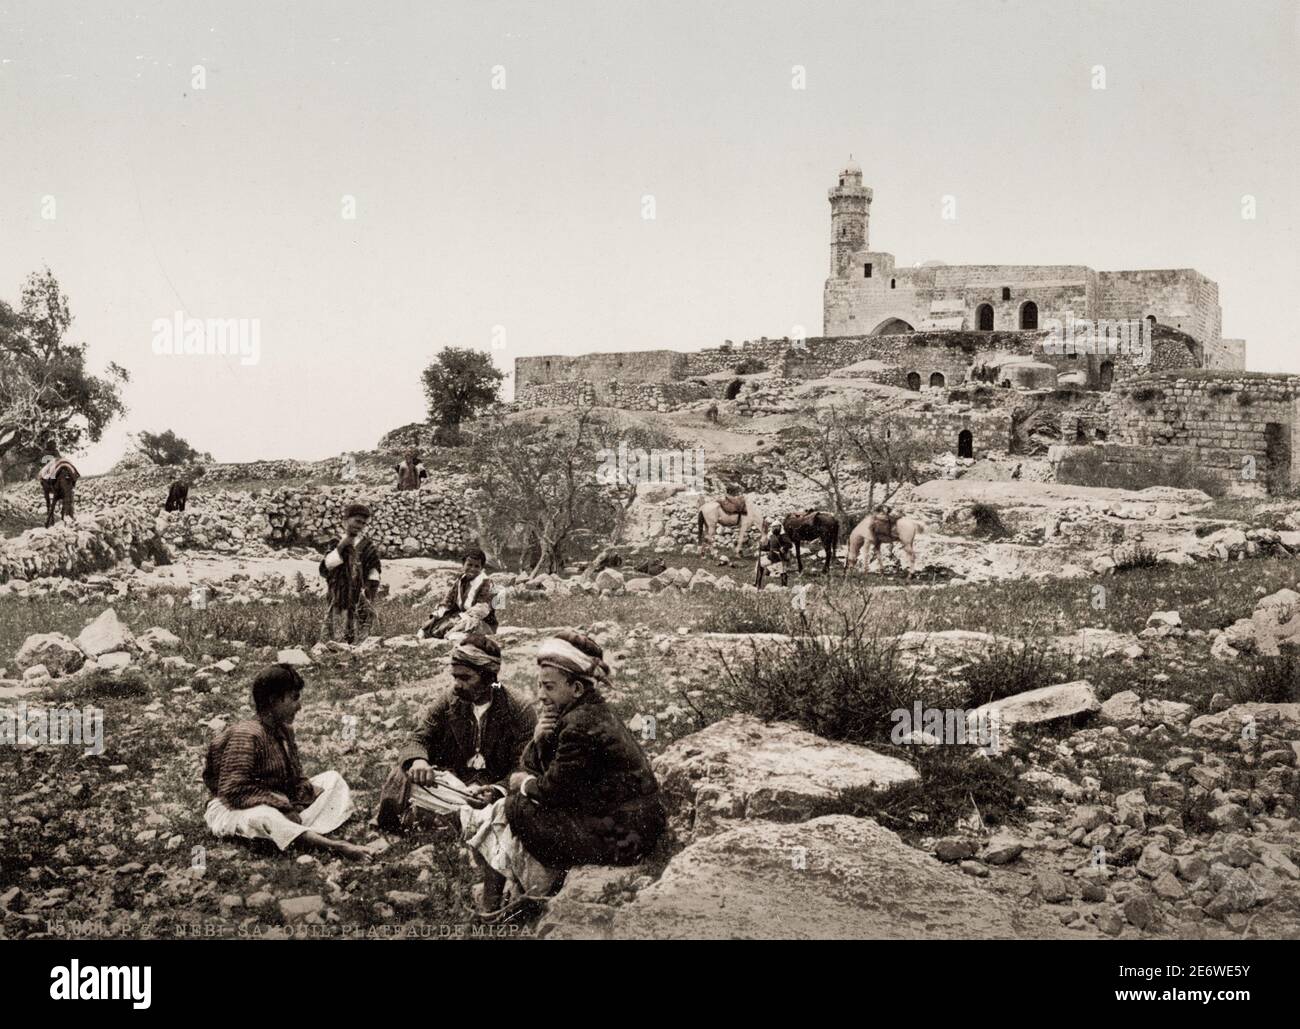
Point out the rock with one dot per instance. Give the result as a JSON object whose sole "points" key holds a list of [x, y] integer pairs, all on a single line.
{"points": [[1110, 922], [1169, 619], [113, 662], [158, 639], [608, 579], [55, 651], [1053, 887], [1139, 911], [406, 900], [259, 900], [230, 902], [640, 585], [974, 868], [742, 768], [1069, 700], [1191, 867], [1232, 719], [1155, 861], [834, 877], [955, 848], [1002, 849], [1229, 816], [1168, 887], [295, 656], [1093, 892], [300, 907], [1122, 709], [104, 635], [36, 675]]}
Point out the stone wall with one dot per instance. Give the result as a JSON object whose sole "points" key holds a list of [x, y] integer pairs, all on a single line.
{"points": [[88, 544], [633, 366], [655, 396], [1241, 428], [426, 522]]}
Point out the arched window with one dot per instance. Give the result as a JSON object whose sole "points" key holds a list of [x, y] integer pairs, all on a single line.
{"points": [[1029, 315], [965, 444], [936, 379], [1106, 374], [891, 283], [913, 380], [1152, 319], [984, 317]]}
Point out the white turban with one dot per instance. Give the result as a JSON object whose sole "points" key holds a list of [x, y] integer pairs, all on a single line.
{"points": [[463, 654], [562, 654]]}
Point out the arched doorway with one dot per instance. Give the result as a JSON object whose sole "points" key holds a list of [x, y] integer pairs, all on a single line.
{"points": [[965, 444], [891, 327], [1106, 374], [913, 381], [1029, 315], [936, 379], [984, 317], [733, 389]]}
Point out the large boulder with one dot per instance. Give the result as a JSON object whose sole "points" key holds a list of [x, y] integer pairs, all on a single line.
{"points": [[105, 634], [1232, 720], [1069, 700], [741, 767], [835, 877], [54, 650]]}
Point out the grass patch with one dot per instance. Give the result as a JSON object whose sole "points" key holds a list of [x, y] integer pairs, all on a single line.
{"points": [[1012, 667], [1088, 467]]}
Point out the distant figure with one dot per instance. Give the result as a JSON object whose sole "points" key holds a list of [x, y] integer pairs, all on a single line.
{"points": [[410, 473], [712, 413], [351, 569], [58, 479], [177, 494], [773, 555]]}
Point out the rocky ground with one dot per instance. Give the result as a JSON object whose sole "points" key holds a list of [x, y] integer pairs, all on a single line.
{"points": [[1137, 649]]}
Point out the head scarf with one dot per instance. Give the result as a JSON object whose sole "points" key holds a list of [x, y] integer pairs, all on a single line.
{"points": [[554, 652], [463, 654]]}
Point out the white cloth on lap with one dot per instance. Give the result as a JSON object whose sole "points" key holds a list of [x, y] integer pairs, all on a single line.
{"points": [[487, 831], [325, 814]]}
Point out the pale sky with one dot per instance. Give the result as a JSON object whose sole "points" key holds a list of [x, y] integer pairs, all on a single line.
{"points": [[522, 207]]}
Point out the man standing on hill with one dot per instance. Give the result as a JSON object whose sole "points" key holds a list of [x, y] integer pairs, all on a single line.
{"points": [[351, 568]]}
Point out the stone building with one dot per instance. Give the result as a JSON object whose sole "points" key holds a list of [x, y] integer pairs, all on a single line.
{"points": [[868, 294]]}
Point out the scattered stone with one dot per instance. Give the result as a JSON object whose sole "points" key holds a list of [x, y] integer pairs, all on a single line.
{"points": [[300, 907], [104, 635]]}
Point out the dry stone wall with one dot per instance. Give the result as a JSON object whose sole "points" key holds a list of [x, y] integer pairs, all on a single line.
{"points": [[89, 544], [1239, 428]]}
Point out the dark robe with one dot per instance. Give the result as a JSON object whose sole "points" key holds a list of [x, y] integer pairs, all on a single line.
{"points": [[595, 799], [349, 594]]}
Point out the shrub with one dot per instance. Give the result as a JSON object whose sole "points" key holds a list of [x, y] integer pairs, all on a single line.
{"points": [[752, 612], [1087, 466], [838, 681], [1012, 667], [1135, 555], [1273, 680], [988, 523], [750, 366]]}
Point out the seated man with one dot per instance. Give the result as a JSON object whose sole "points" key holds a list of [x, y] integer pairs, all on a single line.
{"points": [[586, 795], [352, 569], [468, 604], [477, 731], [258, 786]]}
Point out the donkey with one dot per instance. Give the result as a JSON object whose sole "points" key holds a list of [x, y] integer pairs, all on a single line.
{"points": [[806, 526], [58, 479], [714, 513], [871, 534], [177, 495]]}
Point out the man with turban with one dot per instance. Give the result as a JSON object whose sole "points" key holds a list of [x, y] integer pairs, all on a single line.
{"points": [[476, 731], [351, 569], [586, 794]]}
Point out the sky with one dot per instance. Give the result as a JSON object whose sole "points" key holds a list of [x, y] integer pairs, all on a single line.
{"points": [[496, 159]]}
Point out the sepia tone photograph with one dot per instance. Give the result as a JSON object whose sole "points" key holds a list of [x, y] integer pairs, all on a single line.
{"points": [[650, 471]]}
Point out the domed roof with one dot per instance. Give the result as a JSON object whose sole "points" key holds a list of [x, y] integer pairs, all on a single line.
{"points": [[852, 168]]}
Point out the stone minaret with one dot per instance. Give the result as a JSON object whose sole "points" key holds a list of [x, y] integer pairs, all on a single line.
{"points": [[850, 212]]}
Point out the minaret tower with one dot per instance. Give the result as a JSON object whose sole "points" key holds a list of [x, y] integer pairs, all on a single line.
{"points": [[850, 212]]}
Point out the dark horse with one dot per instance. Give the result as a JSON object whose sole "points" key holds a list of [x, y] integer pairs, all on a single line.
{"points": [[57, 481], [177, 494], [805, 526]]}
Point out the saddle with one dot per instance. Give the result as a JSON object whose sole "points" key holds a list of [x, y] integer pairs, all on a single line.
{"points": [[733, 505], [883, 528]]}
